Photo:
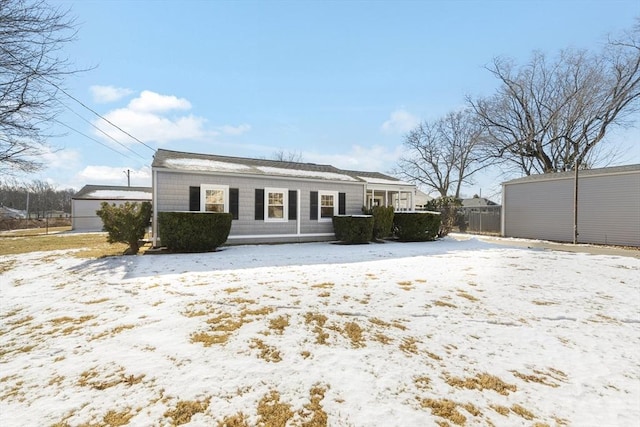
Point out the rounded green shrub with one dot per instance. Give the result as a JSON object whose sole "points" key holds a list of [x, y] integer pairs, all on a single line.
{"points": [[193, 231], [353, 228], [382, 221], [416, 226]]}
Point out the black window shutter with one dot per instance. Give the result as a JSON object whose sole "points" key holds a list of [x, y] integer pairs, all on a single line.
{"points": [[293, 204], [342, 203], [313, 213], [234, 202], [194, 198], [259, 204]]}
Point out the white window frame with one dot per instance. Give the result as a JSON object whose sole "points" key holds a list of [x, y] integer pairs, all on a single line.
{"points": [[285, 207], [335, 205], [203, 195]]}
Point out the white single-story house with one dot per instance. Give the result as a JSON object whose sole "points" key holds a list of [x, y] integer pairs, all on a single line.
{"points": [[271, 201], [542, 206], [87, 201]]}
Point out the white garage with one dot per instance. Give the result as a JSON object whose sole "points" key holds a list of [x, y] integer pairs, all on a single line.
{"points": [[542, 206], [87, 201]]}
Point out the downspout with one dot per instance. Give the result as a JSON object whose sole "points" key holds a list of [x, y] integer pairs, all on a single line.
{"points": [[154, 221], [503, 210], [298, 213]]}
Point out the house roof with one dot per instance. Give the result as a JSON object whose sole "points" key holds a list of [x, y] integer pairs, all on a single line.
{"points": [[192, 162], [112, 192], [571, 174], [477, 202]]}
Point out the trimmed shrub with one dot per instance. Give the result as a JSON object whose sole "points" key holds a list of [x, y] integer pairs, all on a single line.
{"points": [[382, 221], [353, 228], [416, 226], [126, 223], [193, 231]]}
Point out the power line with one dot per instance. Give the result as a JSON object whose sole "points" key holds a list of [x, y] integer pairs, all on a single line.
{"points": [[100, 130], [93, 139], [74, 98]]}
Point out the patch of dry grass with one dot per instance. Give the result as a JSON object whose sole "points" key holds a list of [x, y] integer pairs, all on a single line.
{"points": [[466, 295], [446, 409], [323, 285], [185, 409], [279, 324], [272, 412], [408, 345], [236, 420], [406, 285], [354, 332], [112, 332], [482, 382], [115, 419], [93, 378], [422, 382], [318, 321], [313, 411], [267, 352], [440, 303], [91, 245], [522, 411]]}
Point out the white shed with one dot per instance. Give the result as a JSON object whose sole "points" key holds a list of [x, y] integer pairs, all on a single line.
{"points": [[542, 206], [87, 201]]}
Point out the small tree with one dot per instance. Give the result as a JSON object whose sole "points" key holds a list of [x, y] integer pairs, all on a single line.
{"points": [[448, 208], [126, 223]]}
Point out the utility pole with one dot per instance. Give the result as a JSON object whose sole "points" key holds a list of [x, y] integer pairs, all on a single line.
{"points": [[128, 173], [575, 204]]}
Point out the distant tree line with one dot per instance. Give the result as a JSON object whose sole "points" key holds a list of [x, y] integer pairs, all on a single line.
{"points": [[37, 198]]}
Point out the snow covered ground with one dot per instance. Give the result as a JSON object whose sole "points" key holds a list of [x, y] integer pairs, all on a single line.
{"points": [[395, 334]]}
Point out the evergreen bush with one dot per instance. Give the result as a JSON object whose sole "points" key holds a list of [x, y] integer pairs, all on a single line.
{"points": [[416, 226], [193, 231], [126, 223], [382, 221], [353, 229]]}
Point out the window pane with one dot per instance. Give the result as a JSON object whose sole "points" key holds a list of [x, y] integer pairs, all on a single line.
{"points": [[276, 212], [210, 207], [214, 201], [326, 212], [326, 200], [276, 198], [275, 205]]}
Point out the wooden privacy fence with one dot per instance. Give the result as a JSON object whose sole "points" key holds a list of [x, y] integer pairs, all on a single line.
{"points": [[483, 220]]}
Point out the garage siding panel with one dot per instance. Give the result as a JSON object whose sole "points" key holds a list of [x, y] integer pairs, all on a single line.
{"points": [[608, 209]]}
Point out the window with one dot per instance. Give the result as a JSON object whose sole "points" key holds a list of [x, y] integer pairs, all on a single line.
{"points": [[276, 204], [214, 198], [328, 205]]}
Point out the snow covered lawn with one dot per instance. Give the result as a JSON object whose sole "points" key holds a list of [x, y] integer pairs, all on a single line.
{"points": [[394, 334]]}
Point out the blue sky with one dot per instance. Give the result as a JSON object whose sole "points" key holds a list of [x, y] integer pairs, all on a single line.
{"points": [[338, 82]]}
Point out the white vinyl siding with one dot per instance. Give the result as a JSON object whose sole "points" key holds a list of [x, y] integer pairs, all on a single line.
{"points": [[608, 209]]}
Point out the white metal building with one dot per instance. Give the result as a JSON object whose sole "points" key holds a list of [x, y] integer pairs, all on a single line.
{"points": [[87, 201], [542, 206]]}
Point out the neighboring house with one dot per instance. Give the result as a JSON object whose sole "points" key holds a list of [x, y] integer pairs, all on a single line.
{"points": [[477, 203], [542, 206], [88, 200], [271, 201], [420, 199], [10, 213]]}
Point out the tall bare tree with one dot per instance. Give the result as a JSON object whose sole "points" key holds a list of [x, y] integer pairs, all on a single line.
{"points": [[551, 115], [32, 36], [288, 156], [443, 154]]}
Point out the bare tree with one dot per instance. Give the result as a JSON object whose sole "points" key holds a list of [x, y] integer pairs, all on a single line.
{"points": [[288, 156], [443, 154], [32, 35], [549, 116]]}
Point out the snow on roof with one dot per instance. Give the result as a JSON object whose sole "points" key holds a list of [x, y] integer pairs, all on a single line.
{"points": [[375, 180], [118, 194], [206, 165], [305, 173]]}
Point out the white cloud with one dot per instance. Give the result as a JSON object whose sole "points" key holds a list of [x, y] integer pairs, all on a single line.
{"points": [[155, 118], [105, 94], [372, 159], [109, 175], [400, 121], [152, 102]]}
